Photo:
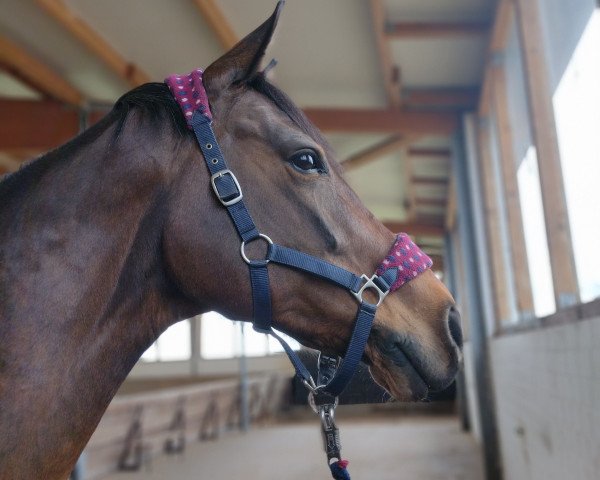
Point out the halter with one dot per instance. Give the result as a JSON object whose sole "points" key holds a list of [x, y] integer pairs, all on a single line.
{"points": [[403, 263]]}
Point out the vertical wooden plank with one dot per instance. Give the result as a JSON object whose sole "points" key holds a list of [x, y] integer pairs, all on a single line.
{"points": [[511, 192], [562, 261], [389, 72], [494, 237]]}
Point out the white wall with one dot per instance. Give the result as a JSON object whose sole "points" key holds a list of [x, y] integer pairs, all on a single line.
{"points": [[547, 384], [272, 363]]}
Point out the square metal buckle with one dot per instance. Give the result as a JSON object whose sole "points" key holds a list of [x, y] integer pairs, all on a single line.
{"points": [[222, 173]]}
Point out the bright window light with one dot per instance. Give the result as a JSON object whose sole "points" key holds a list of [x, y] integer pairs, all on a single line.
{"points": [[174, 344], [577, 109], [222, 338], [538, 258]]}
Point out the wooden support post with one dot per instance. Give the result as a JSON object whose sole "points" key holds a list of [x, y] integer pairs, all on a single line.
{"points": [[562, 260], [389, 72], [450, 220], [492, 220], [499, 38], [511, 192]]}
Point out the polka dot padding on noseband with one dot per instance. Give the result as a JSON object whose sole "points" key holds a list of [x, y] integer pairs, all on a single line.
{"points": [[409, 259], [189, 92]]}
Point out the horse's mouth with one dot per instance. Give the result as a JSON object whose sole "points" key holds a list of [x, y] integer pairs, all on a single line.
{"points": [[400, 368]]}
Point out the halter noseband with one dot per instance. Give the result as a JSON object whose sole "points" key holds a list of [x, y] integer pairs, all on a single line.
{"points": [[403, 263]]}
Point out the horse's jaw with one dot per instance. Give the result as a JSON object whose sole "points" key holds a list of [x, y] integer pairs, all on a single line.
{"points": [[407, 370]]}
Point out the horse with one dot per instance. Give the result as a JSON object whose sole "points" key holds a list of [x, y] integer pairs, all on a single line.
{"points": [[113, 237]]}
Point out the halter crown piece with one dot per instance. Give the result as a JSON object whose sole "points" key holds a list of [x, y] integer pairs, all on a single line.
{"points": [[404, 262]]}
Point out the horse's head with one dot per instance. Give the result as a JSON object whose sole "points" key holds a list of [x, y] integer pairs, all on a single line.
{"points": [[294, 188]]}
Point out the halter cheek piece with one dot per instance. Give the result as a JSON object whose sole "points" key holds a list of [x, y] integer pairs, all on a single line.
{"points": [[403, 263]]}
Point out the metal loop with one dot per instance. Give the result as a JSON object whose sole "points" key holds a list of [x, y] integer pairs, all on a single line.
{"points": [[313, 404], [370, 284], [243, 247]]}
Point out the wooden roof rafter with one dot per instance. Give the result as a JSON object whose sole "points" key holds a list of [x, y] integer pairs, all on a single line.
{"points": [[390, 72], [218, 23], [388, 146], [26, 68], [397, 30], [383, 120], [417, 228], [93, 41]]}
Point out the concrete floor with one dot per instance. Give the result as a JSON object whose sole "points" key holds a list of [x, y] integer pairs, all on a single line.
{"points": [[378, 447]]}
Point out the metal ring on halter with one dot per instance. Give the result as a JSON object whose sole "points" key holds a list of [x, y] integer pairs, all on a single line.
{"points": [[243, 246], [370, 284], [311, 386]]}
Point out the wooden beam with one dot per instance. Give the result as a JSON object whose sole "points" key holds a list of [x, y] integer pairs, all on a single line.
{"points": [[457, 98], [434, 181], [431, 202], [543, 126], [502, 21], [57, 125], [389, 145], [443, 153], [511, 194], [408, 170], [492, 226], [450, 219], [435, 29], [389, 72], [88, 37], [380, 121], [217, 22], [8, 163], [31, 71], [416, 228]]}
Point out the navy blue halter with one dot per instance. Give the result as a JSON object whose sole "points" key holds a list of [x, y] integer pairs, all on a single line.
{"points": [[229, 193]]}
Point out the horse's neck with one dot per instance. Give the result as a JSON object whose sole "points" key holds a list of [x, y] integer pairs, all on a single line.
{"points": [[82, 297]]}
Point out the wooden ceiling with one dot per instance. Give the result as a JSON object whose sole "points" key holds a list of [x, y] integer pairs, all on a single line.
{"points": [[388, 102]]}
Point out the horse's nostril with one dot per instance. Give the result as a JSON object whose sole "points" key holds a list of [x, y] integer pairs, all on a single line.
{"points": [[454, 326]]}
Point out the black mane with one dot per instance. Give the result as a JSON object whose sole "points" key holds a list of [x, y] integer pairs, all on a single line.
{"points": [[157, 104]]}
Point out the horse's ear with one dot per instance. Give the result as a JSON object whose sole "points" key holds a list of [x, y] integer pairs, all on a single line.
{"points": [[243, 60]]}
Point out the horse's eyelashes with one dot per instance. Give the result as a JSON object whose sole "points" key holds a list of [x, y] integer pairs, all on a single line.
{"points": [[308, 161]]}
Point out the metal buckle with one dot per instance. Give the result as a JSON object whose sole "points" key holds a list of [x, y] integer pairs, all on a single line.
{"points": [[219, 174], [369, 283]]}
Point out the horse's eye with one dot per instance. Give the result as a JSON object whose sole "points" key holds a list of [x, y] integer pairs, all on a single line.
{"points": [[307, 161]]}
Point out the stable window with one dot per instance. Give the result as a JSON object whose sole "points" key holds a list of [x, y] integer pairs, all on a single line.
{"points": [[536, 240], [577, 111], [222, 338], [174, 344]]}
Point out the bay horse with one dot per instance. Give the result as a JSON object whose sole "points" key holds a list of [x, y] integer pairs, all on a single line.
{"points": [[114, 236]]}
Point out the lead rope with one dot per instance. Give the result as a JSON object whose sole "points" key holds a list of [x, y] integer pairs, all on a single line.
{"points": [[324, 405]]}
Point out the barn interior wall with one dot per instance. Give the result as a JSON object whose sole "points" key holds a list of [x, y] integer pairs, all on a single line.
{"points": [[547, 387]]}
